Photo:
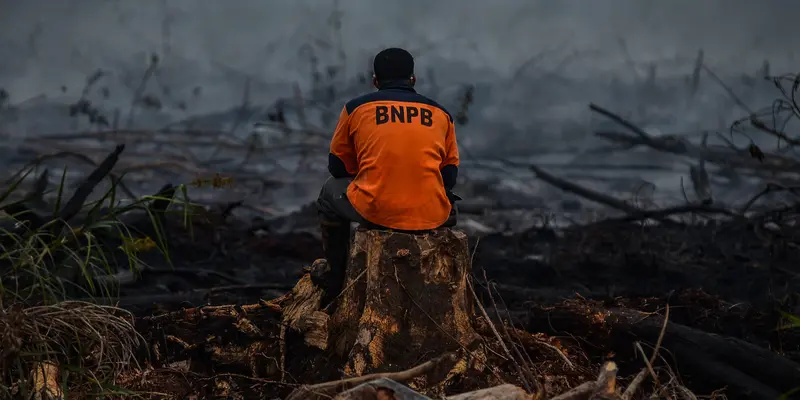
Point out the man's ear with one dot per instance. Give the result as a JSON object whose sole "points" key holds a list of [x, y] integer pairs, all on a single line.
{"points": [[413, 80], [375, 82]]}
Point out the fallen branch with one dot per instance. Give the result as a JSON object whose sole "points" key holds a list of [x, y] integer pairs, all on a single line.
{"points": [[191, 298], [635, 213], [604, 385], [662, 214], [729, 158], [81, 157], [502, 392], [78, 199], [630, 391], [329, 389], [770, 188], [522, 375], [583, 192]]}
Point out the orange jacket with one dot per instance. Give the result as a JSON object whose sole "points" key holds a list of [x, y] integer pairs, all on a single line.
{"points": [[401, 148]]}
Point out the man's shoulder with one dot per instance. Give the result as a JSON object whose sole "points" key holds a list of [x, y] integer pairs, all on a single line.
{"points": [[363, 99], [391, 95], [427, 100]]}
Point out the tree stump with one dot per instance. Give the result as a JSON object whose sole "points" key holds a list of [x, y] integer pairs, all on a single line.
{"points": [[405, 298]]}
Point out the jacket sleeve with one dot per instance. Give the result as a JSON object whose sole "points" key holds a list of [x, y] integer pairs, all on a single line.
{"points": [[342, 160], [449, 168]]}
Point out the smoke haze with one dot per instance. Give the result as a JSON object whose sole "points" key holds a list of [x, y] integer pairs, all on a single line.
{"points": [[535, 64], [46, 44]]}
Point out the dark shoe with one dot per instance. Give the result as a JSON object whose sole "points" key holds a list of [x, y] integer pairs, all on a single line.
{"points": [[452, 219], [336, 244]]}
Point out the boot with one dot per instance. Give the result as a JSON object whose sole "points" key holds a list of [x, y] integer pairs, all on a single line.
{"points": [[452, 219], [336, 245]]}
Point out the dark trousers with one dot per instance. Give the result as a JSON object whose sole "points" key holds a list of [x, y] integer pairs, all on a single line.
{"points": [[336, 213], [334, 206]]}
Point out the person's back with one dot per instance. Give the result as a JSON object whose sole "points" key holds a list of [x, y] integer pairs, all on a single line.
{"points": [[396, 142], [393, 162]]}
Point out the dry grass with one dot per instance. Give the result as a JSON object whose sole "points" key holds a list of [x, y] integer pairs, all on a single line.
{"points": [[89, 345]]}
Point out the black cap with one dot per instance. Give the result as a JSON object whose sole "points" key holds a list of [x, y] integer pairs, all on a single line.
{"points": [[393, 64]]}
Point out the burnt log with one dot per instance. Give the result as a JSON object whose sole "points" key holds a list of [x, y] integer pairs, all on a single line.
{"points": [[249, 339], [715, 361], [405, 296], [227, 338]]}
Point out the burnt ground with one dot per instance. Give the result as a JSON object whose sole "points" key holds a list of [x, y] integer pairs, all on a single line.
{"points": [[736, 262], [733, 279]]}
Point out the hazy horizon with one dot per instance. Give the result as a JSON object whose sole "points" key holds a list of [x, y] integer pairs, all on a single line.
{"points": [[537, 64]]}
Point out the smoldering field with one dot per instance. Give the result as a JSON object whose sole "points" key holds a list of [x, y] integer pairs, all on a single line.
{"points": [[249, 91]]}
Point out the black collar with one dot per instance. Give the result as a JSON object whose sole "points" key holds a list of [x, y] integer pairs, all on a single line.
{"points": [[403, 85]]}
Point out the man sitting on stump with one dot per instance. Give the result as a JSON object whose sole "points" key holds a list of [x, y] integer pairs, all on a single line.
{"points": [[393, 162]]}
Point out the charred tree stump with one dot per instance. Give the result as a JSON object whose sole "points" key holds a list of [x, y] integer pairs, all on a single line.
{"points": [[405, 298]]}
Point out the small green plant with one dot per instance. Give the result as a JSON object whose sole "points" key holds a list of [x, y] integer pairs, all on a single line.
{"points": [[46, 262], [790, 321], [50, 258]]}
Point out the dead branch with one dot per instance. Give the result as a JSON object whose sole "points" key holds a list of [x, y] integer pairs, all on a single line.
{"points": [[604, 385], [527, 368], [700, 179], [78, 199], [758, 124], [630, 391], [580, 392], [502, 392], [730, 157], [81, 157], [329, 389], [137, 95], [727, 89], [191, 298], [635, 213], [633, 387], [380, 389], [522, 375], [770, 188], [627, 124], [583, 192], [663, 214]]}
